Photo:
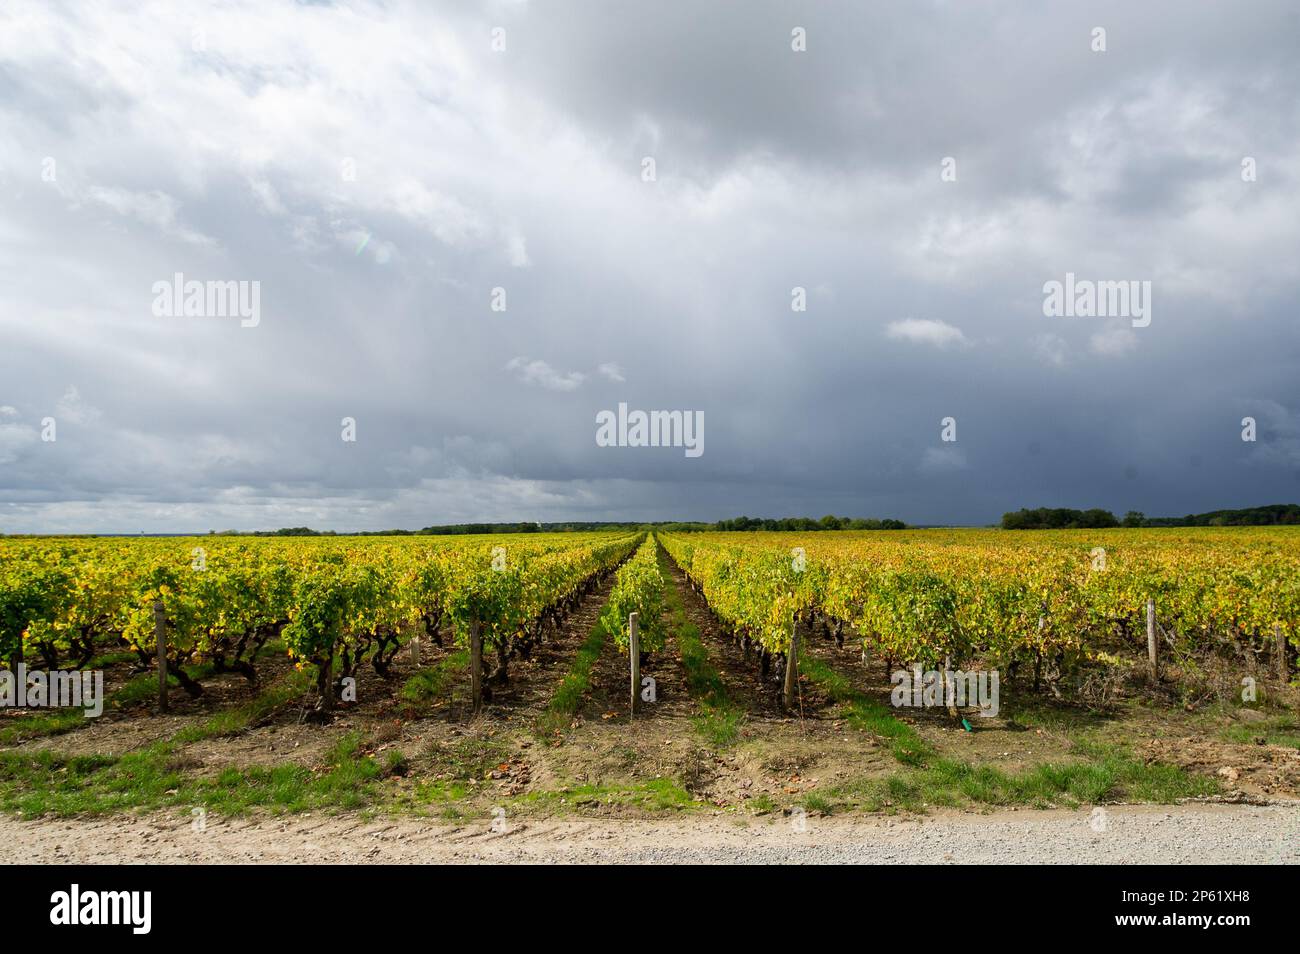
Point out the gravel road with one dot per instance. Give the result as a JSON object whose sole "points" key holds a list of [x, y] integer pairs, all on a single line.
{"points": [[1218, 834]]}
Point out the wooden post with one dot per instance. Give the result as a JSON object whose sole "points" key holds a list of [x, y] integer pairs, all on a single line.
{"points": [[634, 651], [1153, 659], [1283, 674], [949, 689], [791, 669], [476, 664], [160, 640], [327, 687], [1038, 653], [415, 648]]}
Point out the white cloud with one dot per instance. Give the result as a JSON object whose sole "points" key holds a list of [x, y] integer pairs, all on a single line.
{"points": [[267, 196], [1114, 343], [361, 242], [940, 334], [539, 373], [154, 208], [517, 249], [73, 409], [1051, 349], [612, 371]]}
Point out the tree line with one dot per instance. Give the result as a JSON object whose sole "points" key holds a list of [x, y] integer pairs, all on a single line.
{"points": [[1064, 518]]}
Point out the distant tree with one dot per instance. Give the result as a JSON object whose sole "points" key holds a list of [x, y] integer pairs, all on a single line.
{"points": [[803, 524], [1097, 519], [1019, 520], [1058, 518]]}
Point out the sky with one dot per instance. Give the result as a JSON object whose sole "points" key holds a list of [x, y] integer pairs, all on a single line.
{"points": [[824, 228]]}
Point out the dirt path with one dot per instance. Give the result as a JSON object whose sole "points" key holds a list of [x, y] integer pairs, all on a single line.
{"points": [[610, 695], [673, 702], [1221, 834], [740, 674], [533, 680]]}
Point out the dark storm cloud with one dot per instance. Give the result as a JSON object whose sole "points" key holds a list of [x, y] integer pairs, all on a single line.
{"points": [[215, 141]]}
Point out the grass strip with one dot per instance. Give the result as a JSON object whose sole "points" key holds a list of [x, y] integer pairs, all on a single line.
{"points": [[1106, 774], [434, 683], [658, 794], [47, 783], [866, 714], [42, 723], [283, 691], [1102, 772], [719, 719], [567, 697], [139, 690]]}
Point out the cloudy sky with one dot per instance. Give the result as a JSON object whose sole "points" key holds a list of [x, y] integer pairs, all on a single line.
{"points": [[380, 168]]}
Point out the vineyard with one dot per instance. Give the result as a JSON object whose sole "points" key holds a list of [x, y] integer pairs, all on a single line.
{"points": [[1060, 605], [763, 643], [335, 604]]}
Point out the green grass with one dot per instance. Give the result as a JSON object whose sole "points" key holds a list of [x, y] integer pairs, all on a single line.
{"points": [[866, 714], [455, 800], [720, 718], [761, 804], [1105, 773], [1275, 730], [283, 691], [719, 727], [567, 698], [115, 658], [1035, 712], [1099, 772], [450, 777], [469, 757], [434, 684], [45, 783], [659, 794], [41, 723], [442, 790], [138, 690], [346, 782]]}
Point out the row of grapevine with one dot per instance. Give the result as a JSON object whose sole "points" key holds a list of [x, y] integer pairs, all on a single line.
{"points": [[638, 588], [757, 593], [336, 603], [1060, 599]]}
